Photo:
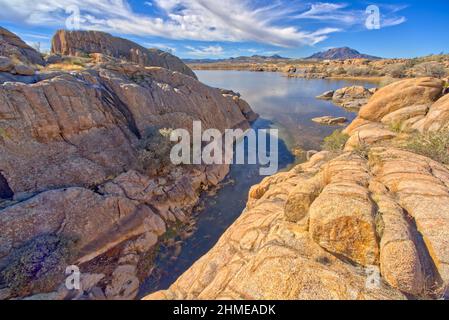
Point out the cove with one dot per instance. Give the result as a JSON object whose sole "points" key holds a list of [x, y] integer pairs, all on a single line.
{"points": [[287, 104]]}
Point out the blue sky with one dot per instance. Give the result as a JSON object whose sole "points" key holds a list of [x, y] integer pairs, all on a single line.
{"points": [[225, 28]]}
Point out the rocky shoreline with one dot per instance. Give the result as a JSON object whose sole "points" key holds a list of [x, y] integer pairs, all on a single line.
{"points": [[379, 71], [325, 229], [83, 185]]}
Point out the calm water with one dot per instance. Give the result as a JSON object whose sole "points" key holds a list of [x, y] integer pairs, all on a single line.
{"points": [[284, 103]]}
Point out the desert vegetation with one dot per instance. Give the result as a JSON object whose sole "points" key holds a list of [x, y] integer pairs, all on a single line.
{"points": [[335, 142], [434, 145]]}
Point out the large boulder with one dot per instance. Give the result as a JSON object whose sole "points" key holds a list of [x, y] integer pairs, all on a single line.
{"points": [[330, 121], [321, 230], [78, 129], [81, 43], [421, 187], [406, 93], [342, 216], [263, 256], [24, 70], [6, 64], [12, 46], [352, 97], [437, 118]]}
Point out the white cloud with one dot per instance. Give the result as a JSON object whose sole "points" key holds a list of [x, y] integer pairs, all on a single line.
{"points": [[205, 51], [339, 13], [206, 20], [203, 20], [393, 22]]}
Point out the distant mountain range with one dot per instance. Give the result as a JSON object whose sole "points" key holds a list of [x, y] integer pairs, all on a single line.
{"points": [[242, 59], [341, 54], [331, 54]]}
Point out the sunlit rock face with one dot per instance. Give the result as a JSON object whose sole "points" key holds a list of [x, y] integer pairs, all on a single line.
{"points": [[71, 190], [81, 43], [315, 232]]}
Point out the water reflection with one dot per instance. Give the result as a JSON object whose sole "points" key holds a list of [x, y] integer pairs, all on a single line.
{"points": [[289, 102], [284, 103]]}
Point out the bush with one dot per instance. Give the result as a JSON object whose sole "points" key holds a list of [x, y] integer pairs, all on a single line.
{"points": [[397, 70], [337, 71], [154, 151], [336, 141], [36, 265], [431, 69], [396, 127], [434, 145], [359, 71]]}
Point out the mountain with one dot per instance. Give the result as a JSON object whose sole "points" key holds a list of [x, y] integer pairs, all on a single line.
{"points": [[241, 59], [341, 54]]}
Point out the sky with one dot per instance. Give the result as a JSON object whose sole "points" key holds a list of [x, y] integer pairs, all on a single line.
{"points": [[228, 28]]}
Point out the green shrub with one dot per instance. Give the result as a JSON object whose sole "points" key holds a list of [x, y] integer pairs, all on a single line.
{"points": [[37, 264], [336, 141], [434, 145], [396, 127], [78, 63]]}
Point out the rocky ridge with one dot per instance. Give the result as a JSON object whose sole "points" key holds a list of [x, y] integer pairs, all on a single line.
{"points": [[325, 229], [82, 43], [70, 180], [12, 46]]}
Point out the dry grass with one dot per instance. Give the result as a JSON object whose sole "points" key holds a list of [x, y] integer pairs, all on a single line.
{"points": [[64, 67], [434, 145], [69, 64]]}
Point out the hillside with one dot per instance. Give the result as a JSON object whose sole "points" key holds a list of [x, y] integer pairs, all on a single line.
{"points": [[341, 54]]}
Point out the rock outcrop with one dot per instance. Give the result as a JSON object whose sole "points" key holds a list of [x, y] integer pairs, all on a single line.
{"points": [[11, 46], [81, 43], [330, 121], [352, 98], [78, 129], [368, 223], [404, 106], [72, 173]]}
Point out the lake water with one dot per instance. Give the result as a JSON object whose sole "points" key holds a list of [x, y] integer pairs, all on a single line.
{"points": [[284, 103]]}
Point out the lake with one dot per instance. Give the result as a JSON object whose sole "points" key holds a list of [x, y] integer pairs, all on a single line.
{"points": [[287, 104]]}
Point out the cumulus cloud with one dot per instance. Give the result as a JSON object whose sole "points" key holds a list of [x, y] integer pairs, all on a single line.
{"points": [[206, 20]]}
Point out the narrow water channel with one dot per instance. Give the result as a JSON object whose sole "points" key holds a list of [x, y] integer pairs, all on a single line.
{"points": [[284, 103]]}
